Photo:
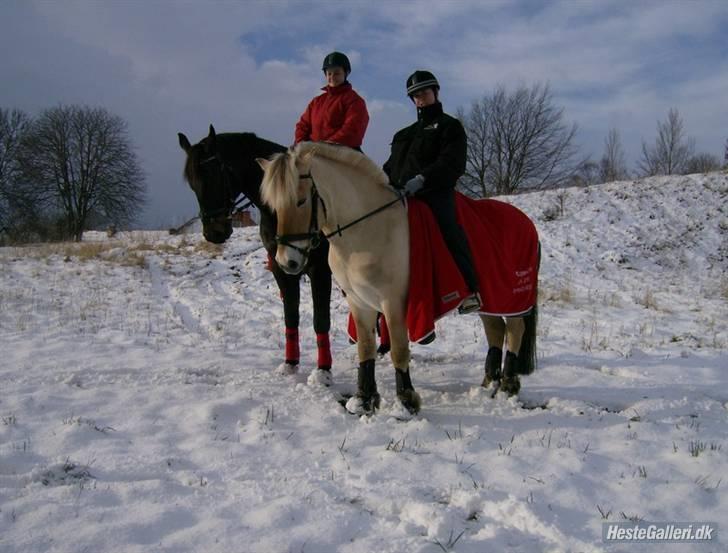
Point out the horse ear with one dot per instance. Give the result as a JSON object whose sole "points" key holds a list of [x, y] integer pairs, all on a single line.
{"points": [[212, 140], [264, 163], [183, 142]]}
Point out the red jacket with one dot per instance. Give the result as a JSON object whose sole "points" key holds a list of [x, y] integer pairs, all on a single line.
{"points": [[338, 115]]}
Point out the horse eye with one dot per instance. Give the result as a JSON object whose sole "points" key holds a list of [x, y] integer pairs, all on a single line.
{"points": [[301, 202]]}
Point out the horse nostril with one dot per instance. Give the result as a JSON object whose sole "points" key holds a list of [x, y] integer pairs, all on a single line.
{"points": [[292, 264]]}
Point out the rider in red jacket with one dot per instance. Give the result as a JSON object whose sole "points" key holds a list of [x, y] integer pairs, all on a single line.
{"points": [[339, 115]]}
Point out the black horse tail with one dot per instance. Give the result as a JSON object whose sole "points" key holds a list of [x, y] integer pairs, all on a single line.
{"points": [[527, 353]]}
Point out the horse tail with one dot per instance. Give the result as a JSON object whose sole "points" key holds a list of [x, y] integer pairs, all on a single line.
{"points": [[527, 353]]}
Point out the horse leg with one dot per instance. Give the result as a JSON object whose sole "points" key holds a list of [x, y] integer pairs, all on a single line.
{"points": [[515, 327], [400, 354], [320, 275], [289, 288], [367, 398], [495, 333]]}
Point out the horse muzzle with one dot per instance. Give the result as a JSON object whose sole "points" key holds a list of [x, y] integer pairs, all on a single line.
{"points": [[217, 230], [291, 260]]}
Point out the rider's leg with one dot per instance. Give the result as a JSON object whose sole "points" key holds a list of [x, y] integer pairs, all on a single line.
{"points": [[442, 204]]}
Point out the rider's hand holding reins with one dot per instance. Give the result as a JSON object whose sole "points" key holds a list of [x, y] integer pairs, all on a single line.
{"points": [[414, 185]]}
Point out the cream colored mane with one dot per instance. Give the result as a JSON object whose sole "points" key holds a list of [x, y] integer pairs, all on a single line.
{"points": [[281, 178], [280, 182], [347, 156]]}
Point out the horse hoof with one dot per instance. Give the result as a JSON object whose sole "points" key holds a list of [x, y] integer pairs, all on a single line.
{"points": [[286, 368], [359, 405], [510, 386], [320, 377], [411, 401], [489, 381]]}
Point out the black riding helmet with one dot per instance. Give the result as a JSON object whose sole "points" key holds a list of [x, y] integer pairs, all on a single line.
{"points": [[419, 80], [337, 59]]}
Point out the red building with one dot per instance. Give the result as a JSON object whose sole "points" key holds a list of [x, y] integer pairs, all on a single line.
{"points": [[243, 219]]}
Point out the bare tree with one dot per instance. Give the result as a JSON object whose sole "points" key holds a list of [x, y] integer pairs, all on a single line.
{"points": [[13, 125], [82, 160], [703, 163], [613, 166], [585, 174], [518, 140], [672, 150], [480, 152]]}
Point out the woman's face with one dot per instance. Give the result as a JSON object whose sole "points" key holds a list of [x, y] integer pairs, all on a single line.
{"points": [[335, 76]]}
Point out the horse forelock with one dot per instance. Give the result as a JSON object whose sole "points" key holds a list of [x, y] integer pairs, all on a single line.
{"points": [[190, 173], [280, 182]]}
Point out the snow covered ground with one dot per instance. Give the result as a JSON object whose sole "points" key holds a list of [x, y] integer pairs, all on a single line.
{"points": [[140, 410]]}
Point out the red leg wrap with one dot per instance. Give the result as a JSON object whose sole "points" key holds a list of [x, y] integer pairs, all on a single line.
{"points": [[324, 351], [293, 352]]}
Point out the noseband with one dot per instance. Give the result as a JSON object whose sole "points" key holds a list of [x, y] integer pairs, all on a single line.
{"points": [[314, 234]]}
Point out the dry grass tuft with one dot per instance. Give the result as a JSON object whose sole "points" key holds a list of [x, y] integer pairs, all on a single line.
{"points": [[648, 300]]}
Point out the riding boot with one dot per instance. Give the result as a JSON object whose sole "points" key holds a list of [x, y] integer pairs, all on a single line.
{"points": [[406, 392], [492, 366], [384, 343], [510, 382]]}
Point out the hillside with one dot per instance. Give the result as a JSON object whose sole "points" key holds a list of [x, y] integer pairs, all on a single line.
{"points": [[141, 410]]}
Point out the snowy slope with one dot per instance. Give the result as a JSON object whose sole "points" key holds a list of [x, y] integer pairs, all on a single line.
{"points": [[140, 410]]}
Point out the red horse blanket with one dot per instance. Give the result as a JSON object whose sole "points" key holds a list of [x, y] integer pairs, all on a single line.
{"points": [[504, 245]]}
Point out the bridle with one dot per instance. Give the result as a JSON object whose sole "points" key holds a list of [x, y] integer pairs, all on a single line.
{"points": [[314, 234], [234, 204]]}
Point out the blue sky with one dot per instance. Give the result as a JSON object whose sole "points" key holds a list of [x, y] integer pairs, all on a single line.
{"points": [[169, 66]]}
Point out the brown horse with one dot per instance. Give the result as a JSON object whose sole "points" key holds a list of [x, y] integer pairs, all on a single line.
{"points": [[222, 167]]}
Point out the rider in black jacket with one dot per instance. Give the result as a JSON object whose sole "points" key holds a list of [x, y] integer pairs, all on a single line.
{"points": [[426, 161]]}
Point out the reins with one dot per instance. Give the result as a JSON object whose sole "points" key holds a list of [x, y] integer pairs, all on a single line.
{"points": [[363, 217], [314, 234]]}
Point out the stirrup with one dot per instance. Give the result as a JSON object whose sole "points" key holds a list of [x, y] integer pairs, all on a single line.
{"points": [[470, 304]]}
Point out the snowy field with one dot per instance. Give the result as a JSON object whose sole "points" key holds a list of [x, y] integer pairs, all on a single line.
{"points": [[140, 408]]}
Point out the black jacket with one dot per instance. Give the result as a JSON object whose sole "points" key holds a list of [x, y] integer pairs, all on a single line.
{"points": [[434, 147]]}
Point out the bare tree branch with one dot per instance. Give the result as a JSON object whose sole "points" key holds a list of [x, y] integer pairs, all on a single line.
{"points": [[13, 125], [517, 141], [672, 150], [613, 166]]}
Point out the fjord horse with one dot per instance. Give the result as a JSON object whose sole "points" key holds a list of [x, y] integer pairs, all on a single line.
{"points": [[318, 187]]}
